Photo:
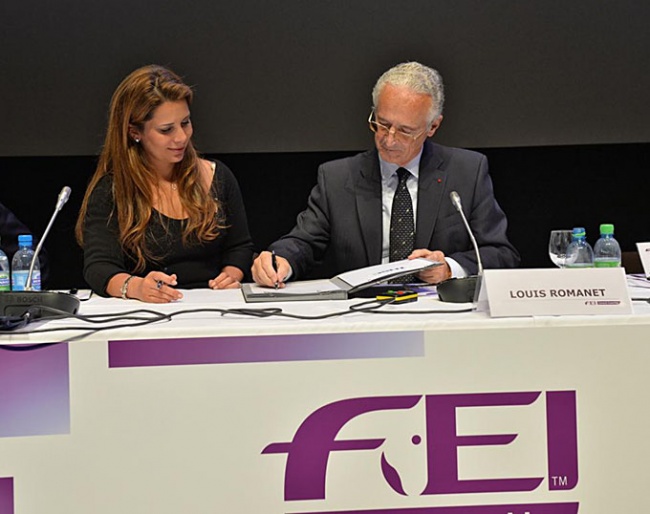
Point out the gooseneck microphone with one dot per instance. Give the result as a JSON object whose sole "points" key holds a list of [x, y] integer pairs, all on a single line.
{"points": [[461, 290], [455, 200], [61, 201], [29, 305]]}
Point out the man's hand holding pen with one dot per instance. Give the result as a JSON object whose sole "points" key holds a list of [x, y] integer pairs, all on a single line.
{"points": [[274, 263], [270, 270]]}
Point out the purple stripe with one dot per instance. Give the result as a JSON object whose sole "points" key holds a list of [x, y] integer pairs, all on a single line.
{"points": [[34, 392], [296, 347], [531, 508], [6, 496]]}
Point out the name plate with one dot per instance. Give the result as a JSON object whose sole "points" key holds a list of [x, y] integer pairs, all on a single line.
{"points": [[644, 254], [544, 292]]}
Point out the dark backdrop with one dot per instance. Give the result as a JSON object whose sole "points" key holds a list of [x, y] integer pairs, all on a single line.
{"points": [[296, 75]]}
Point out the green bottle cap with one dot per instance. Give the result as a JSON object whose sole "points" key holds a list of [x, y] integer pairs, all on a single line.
{"points": [[607, 228]]}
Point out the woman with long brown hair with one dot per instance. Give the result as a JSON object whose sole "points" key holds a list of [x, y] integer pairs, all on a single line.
{"points": [[156, 216]]}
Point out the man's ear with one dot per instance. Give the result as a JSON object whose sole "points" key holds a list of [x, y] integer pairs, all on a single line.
{"points": [[435, 124]]}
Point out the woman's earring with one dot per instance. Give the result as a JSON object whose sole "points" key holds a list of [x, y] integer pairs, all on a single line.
{"points": [[137, 140]]}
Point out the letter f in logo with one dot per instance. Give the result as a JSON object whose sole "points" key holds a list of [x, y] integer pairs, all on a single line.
{"points": [[308, 453]]}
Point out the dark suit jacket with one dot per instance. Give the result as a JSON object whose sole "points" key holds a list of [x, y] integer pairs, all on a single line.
{"points": [[344, 214]]}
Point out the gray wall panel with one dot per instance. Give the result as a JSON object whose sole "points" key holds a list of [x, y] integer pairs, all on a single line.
{"points": [[296, 75]]}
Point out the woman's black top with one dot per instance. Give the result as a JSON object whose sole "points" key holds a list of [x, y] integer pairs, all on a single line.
{"points": [[194, 263]]}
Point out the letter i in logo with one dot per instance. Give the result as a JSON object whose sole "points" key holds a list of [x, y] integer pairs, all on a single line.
{"points": [[562, 434]]}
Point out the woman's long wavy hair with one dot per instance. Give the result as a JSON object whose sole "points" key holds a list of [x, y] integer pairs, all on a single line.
{"points": [[132, 104]]}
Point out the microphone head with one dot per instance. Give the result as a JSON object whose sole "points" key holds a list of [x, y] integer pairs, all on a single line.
{"points": [[455, 200], [63, 197]]}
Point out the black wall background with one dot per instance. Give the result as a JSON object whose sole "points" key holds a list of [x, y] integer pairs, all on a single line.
{"points": [[554, 92], [540, 188]]}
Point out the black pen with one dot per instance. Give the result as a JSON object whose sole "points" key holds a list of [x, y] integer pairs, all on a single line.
{"points": [[274, 263]]}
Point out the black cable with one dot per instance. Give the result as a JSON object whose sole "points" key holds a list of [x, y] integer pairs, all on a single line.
{"points": [[11, 323], [144, 317], [357, 307], [86, 332], [154, 317]]}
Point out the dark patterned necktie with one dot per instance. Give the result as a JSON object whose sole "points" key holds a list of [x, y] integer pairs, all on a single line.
{"points": [[402, 228]]}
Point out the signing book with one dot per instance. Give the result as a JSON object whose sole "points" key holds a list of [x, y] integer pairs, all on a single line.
{"points": [[341, 286]]}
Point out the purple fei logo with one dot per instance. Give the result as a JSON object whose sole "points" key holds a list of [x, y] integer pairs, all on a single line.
{"points": [[316, 438]]}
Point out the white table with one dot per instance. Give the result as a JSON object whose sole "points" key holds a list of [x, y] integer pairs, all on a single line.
{"points": [[175, 416]]}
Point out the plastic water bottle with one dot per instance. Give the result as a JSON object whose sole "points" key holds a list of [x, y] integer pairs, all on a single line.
{"points": [[20, 265], [579, 254], [607, 252], [5, 284]]}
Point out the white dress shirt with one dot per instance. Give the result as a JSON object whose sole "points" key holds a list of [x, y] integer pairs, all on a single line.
{"points": [[389, 182]]}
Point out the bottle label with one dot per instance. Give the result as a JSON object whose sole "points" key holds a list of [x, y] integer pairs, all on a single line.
{"points": [[19, 279], [5, 284], [36, 280]]}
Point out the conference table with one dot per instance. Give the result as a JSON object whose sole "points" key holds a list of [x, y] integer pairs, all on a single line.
{"points": [[213, 405]]}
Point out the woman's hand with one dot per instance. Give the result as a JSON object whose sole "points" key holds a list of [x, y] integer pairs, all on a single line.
{"points": [[156, 287], [229, 278]]}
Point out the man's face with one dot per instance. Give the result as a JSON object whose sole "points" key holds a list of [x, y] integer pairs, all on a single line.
{"points": [[404, 115]]}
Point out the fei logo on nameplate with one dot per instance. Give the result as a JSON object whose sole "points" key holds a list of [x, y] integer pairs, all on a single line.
{"points": [[548, 292]]}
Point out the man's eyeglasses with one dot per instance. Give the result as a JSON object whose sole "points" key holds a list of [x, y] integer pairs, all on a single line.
{"points": [[400, 135]]}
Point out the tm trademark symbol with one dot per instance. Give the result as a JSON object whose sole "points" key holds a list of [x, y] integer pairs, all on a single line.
{"points": [[560, 481]]}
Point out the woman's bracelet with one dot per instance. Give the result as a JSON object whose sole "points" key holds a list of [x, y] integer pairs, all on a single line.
{"points": [[125, 287]]}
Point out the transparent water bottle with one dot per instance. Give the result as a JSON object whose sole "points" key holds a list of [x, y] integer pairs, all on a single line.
{"points": [[5, 283], [20, 265], [607, 251], [579, 254]]}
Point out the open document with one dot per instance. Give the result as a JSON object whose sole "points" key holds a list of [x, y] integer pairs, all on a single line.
{"points": [[339, 287]]}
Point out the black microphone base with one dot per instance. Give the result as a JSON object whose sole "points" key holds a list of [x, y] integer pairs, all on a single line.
{"points": [[458, 290], [43, 304]]}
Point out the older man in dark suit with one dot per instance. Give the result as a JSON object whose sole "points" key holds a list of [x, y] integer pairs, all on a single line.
{"points": [[393, 202]]}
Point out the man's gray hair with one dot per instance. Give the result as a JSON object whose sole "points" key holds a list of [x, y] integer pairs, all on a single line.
{"points": [[419, 78]]}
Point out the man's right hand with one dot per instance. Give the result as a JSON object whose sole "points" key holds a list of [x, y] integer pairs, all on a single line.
{"points": [[264, 273]]}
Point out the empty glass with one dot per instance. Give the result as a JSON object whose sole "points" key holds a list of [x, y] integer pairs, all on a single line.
{"points": [[557, 246]]}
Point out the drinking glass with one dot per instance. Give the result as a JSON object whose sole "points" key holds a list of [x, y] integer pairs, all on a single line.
{"points": [[557, 246]]}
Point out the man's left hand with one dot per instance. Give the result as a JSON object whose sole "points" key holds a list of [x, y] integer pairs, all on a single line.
{"points": [[432, 275]]}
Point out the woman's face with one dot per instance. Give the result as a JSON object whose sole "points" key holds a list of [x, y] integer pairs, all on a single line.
{"points": [[165, 137]]}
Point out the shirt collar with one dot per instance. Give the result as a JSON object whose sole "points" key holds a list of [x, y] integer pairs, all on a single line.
{"points": [[389, 169]]}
